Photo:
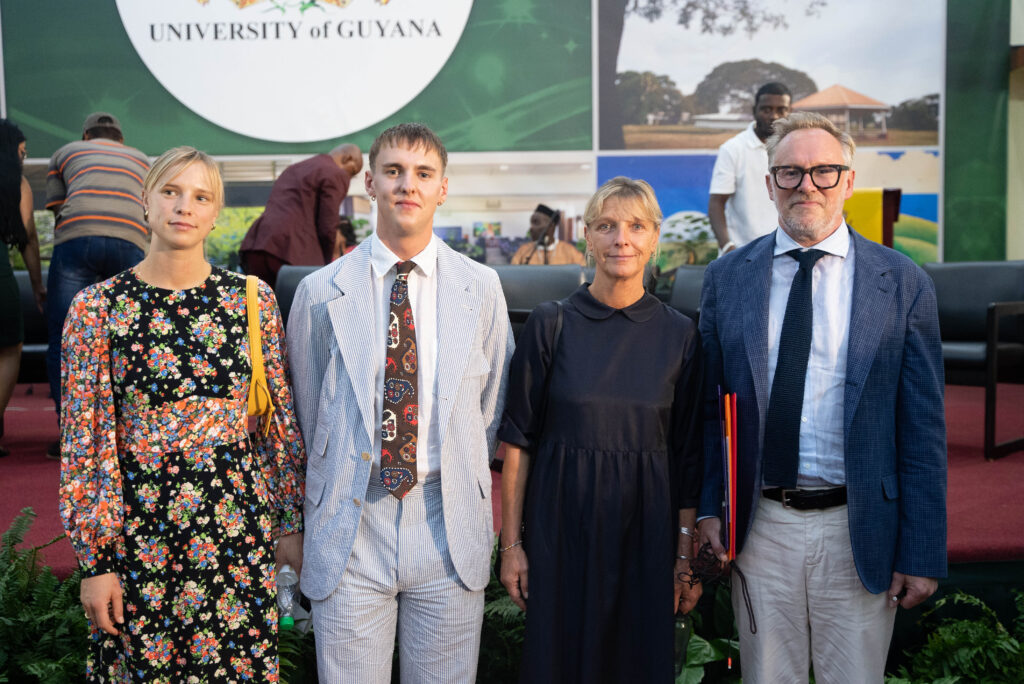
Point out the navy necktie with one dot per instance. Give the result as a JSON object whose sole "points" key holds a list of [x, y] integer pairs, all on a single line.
{"points": [[785, 407]]}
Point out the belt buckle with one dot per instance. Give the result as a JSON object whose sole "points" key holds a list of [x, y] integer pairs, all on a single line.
{"points": [[785, 503]]}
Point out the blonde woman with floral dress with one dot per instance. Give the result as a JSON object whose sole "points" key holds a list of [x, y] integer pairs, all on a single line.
{"points": [[171, 507]]}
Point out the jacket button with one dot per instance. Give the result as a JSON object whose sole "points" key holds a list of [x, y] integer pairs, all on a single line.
{"points": [[357, 502], [366, 456]]}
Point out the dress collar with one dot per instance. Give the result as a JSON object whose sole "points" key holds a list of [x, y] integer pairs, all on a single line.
{"points": [[638, 312]]}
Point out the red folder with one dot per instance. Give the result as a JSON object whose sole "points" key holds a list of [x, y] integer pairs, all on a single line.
{"points": [[727, 417]]}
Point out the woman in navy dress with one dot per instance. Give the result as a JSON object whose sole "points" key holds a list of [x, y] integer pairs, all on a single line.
{"points": [[603, 462]]}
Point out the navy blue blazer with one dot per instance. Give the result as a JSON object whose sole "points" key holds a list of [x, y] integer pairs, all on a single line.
{"points": [[894, 419]]}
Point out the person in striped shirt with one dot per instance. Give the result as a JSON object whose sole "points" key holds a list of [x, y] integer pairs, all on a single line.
{"points": [[94, 189]]}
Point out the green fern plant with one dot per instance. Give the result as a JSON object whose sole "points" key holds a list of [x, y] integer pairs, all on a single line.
{"points": [[977, 648], [501, 639], [297, 651], [43, 630]]}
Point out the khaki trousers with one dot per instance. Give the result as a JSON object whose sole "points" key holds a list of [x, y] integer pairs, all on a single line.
{"points": [[809, 604]]}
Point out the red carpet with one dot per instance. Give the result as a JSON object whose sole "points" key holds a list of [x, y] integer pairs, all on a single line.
{"points": [[986, 499], [28, 477]]}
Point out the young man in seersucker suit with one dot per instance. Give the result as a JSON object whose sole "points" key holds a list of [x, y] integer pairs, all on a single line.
{"points": [[399, 353]]}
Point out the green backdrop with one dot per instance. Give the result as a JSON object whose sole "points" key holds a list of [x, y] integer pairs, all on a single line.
{"points": [[977, 89], [519, 79]]}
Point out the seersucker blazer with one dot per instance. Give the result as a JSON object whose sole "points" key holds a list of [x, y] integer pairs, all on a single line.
{"points": [[331, 340], [894, 420]]}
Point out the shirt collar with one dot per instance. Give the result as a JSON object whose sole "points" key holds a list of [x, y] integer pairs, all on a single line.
{"points": [[753, 141], [638, 312], [836, 244], [383, 260]]}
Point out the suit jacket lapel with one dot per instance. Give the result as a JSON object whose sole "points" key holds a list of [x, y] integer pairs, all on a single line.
{"points": [[754, 283], [873, 290], [458, 310], [354, 323]]}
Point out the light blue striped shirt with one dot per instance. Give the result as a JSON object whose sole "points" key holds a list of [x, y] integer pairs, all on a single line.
{"points": [[821, 425]]}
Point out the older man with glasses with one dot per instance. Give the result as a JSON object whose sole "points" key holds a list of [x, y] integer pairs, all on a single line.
{"points": [[831, 344]]}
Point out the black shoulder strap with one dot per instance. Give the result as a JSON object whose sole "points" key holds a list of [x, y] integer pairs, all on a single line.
{"points": [[555, 338]]}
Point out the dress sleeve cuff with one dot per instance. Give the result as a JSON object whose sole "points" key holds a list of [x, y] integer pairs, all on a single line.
{"points": [[290, 522], [689, 502], [99, 562], [510, 434]]}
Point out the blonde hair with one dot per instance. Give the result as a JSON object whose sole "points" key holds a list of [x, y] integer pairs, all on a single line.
{"points": [[410, 135], [626, 188], [799, 121], [173, 161]]}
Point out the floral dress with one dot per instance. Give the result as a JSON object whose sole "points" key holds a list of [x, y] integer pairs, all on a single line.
{"points": [[161, 484]]}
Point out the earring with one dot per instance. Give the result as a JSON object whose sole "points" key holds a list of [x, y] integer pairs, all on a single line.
{"points": [[373, 198], [440, 203], [145, 214]]}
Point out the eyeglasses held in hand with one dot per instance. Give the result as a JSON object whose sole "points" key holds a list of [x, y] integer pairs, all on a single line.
{"points": [[824, 177]]}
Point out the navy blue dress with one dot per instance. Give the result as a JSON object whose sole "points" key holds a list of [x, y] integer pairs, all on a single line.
{"points": [[615, 458]]}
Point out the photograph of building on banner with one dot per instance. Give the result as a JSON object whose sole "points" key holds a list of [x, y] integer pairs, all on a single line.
{"points": [[677, 80]]}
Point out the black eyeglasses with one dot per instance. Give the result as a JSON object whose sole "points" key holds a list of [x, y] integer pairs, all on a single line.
{"points": [[824, 177]]}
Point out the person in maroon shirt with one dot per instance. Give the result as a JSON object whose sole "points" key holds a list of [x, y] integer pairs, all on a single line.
{"points": [[300, 222]]}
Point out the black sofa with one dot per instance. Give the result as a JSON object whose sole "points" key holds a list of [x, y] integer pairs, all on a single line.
{"points": [[981, 320]]}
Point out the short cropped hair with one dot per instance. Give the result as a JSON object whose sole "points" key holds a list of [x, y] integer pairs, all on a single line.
{"points": [[173, 161], [799, 121], [772, 88], [105, 132], [625, 188], [411, 135]]}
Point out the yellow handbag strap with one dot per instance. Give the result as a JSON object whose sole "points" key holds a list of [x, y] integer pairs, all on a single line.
{"points": [[260, 403]]}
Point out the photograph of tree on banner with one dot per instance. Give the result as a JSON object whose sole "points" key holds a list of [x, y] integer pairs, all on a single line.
{"points": [[681, 74]]}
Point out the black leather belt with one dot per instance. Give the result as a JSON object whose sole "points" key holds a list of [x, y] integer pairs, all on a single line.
{"points": [[807, 499]]}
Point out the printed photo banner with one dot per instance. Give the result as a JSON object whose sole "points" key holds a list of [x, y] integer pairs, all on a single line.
{"points": [[678, 79], [262, 77], [299, 50]]}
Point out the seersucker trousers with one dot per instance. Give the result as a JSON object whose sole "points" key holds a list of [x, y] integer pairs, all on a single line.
{"points": [[400, 578]]}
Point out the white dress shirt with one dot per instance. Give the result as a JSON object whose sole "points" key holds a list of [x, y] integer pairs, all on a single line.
{"points": [[423, 300], [739, 170], [821, 425]]}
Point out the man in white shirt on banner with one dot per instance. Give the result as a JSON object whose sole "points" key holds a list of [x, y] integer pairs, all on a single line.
{"points": [[739, 208]]}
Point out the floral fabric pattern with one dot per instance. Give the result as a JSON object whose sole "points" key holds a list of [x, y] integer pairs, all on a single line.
{"points": [[162, 484]]}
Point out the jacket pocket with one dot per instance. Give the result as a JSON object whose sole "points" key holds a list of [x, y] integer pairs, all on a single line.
{"points": [[891, 486], [319, 447], [477, 365], [485, 486], [315, 485]]}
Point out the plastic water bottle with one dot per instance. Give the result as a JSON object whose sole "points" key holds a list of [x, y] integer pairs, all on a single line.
{"points": [[287, 592]]}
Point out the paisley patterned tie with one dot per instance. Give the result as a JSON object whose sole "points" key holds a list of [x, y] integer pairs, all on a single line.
{"points": [[399, 430]]}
